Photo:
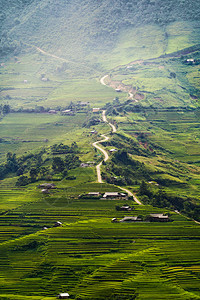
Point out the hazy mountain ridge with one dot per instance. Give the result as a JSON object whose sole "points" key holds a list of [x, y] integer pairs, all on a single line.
{"points": [[87, 24]]}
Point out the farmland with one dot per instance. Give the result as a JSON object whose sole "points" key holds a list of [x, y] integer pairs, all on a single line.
{"points": [[89, 256], [139, 62], [92, 258]]}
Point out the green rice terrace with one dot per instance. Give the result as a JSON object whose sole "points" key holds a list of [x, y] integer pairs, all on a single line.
{"points": [[72, 239], [89, 256], [99, 150]]}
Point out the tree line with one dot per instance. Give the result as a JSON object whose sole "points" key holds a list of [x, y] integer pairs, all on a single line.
{"points": [[59, 159]]}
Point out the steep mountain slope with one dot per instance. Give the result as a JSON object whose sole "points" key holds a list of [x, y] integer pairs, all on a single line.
{"points": [[88, 39], [74, 28]]}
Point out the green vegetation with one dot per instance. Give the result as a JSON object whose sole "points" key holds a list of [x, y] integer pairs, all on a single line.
{"points": [[92, 258], [52, 56]]}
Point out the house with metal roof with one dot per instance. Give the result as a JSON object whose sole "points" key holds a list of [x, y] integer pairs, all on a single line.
{"points": [[158, 218], [63, 296], [131, 219]]}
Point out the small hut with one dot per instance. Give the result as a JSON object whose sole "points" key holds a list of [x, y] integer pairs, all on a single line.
{"points": [[63, 296], [57, 224]]}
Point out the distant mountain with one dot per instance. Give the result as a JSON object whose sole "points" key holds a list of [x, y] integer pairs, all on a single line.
{"points": [[75, 27]]}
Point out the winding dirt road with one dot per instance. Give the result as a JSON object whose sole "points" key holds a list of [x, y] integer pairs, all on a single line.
{"points": [[131, 194], [106, 157], [114, 129], [102, 80]]}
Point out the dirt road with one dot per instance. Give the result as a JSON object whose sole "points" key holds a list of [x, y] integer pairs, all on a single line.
{"points": [[106, 157], [114, 129], [102, 80], [131, 194]]}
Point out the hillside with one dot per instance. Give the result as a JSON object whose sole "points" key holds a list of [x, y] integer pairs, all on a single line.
{"points": [[99, 149], [74, 28]]}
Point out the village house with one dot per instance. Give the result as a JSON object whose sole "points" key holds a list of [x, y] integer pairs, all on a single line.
{"points": [[190, 60], [82, 103], [158, 218], [114, 220], [47, 186], [90, 162], [63, 296], [52, 112], [112, 150], [93, 132], [94, 194], [45, 79], [57, 224], [45, 191], [126, 208], [118, 90], [84, 165], [115, 195], [68, 112], [131, 219], [96, 110]]}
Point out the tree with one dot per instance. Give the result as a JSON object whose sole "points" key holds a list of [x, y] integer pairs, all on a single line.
{"points": [[6, 109], [33, 173], [22, 181], [43, 171], [58, 165], [11, 164]]}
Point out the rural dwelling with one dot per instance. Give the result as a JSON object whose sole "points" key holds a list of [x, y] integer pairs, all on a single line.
{"points": [[57, 224], [118, 90], [84, 165], [190, 60], [63, 296], [68, 112], [158, 218], [131, 219], [93, 194], [126, 208], [45, 79], [115, 195], [25, 81], [114, 220], [47, 186], [96, 110], [52, 111], [81, 103], [91, 162], [45, 191], [93, 131], [112, 150]]}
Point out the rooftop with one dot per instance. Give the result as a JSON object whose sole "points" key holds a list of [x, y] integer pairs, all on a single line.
{"points": [[127, 219], [159, 216]]}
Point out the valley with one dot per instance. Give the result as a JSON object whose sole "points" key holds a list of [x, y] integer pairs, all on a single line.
{"points": [[99, 150]]}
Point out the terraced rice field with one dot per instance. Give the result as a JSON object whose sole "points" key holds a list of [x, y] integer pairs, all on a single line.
{"points": [[92, 258]]}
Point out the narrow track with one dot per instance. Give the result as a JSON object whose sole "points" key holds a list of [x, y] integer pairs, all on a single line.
{"points": [[106, 157]]}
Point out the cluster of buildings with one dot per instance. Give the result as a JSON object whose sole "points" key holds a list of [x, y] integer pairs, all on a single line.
{"points": [[79, 106], [149, 218], [46, 187], [107, 195]]}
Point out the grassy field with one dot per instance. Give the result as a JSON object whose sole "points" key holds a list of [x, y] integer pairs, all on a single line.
{"points": [[79, 80], [61, 88], [23, 132]]}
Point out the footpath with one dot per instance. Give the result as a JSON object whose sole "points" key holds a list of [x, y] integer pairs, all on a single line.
{"points": [[106, 156]]}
